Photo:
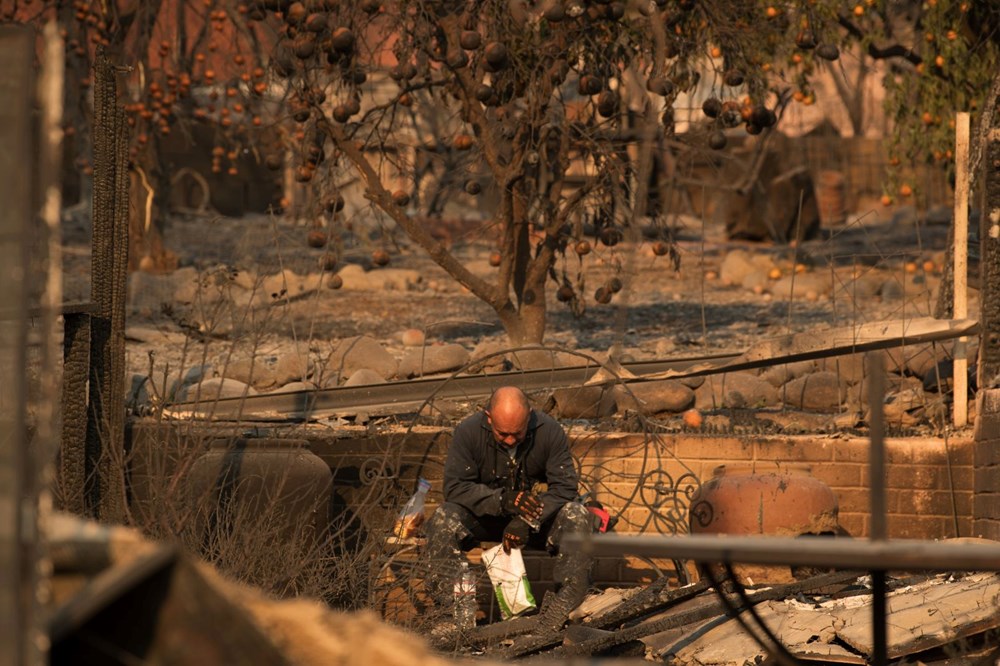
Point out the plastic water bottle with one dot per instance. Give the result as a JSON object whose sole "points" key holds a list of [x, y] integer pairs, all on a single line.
{"points": [[465, 598]]}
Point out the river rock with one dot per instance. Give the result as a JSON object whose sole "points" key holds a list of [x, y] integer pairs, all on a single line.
{"points": [[736, 266], [286, 285], [383, 279], [364, 377], [654, 397], [851, 368], [583, 402], [779, 375], [293, 387], [815, 392], [735, 390], [358, 352], [269, 370], [904, 408], [213, 388], [808, 286], [486, 357], [433, 358]]}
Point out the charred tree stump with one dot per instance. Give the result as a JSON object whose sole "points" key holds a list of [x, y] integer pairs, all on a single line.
{"points": [[109, 264]]}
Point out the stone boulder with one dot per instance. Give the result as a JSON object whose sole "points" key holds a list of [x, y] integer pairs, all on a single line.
{"points": [[433, 358], [486, 357], [815, 392], [779, 375], [364, 377], [383, 279], [736, 266], [294, 387], [286, 285], [804, 286], [735, 390], [359, 352], [583, 402], [269, 370], [214, 388], [905, 408], [851, 368], [654, 397]]}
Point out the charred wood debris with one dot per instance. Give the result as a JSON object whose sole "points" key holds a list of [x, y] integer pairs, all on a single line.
{"points": [[942, 619]]}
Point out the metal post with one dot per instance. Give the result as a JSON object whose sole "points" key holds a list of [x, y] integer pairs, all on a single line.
{"points": [[876, 483]]}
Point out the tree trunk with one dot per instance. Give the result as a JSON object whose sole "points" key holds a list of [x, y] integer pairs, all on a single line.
{"points": [[148, 195], [525, 323]]}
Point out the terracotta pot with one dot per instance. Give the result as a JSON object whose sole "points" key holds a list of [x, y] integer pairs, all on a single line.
{"points": [[785, 501], [276, 487]]}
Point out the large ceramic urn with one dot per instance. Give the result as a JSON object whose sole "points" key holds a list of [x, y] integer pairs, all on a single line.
{"points": [[773, 500], [273, 488]]}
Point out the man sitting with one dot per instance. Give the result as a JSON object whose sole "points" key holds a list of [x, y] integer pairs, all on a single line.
{"points": [[495, 460]]}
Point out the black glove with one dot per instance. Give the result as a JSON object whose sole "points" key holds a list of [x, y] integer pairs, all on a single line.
{"points": [[515, 535], [523, 504]]}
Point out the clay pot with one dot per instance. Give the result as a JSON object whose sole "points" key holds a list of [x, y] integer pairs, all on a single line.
{"points": [[783, 501], [787, 501], [278, 483]]}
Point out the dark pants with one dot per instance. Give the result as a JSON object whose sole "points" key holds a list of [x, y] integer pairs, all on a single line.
{"points": [[453, 529]]}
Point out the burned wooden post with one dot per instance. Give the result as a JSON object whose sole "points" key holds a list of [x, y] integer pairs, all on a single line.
{"points": [[104, 468], [18, 503], [989, 235], [986, 166]]}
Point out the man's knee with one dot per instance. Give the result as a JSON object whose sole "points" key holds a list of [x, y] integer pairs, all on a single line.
{"points": [[447, 521], [574, 518]]}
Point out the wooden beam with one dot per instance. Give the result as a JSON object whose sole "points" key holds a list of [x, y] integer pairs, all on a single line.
{"points": [[960, 373]]}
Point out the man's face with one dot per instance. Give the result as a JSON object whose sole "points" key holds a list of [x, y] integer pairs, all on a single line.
{"points": [[509, 428]]}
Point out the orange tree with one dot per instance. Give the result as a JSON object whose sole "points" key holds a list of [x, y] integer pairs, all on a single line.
{"points": [[559, 113]]}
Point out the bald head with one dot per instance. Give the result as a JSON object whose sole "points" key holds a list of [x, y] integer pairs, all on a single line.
{"points": [[508, 415]]}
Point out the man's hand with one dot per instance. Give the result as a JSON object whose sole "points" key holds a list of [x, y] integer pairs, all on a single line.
{"points": [[515, 535], [523, 504]]}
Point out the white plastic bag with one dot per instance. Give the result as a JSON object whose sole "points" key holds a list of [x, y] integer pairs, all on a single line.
{"points": [[510, 581]]}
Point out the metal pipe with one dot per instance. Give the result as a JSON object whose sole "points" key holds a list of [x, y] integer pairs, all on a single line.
{"points": [[876, 485], [831, 552]]}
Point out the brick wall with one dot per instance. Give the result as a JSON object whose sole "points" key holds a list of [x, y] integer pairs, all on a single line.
{"points": [[929, 489], [646, 479], [986, 503]]}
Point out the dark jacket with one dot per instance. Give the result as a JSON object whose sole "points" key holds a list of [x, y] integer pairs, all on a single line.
{"points": [[478, 468]]}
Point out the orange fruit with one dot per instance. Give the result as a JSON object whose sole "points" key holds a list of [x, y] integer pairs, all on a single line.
{"points": [[886, 200], [692, 418], [905, 190]]}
